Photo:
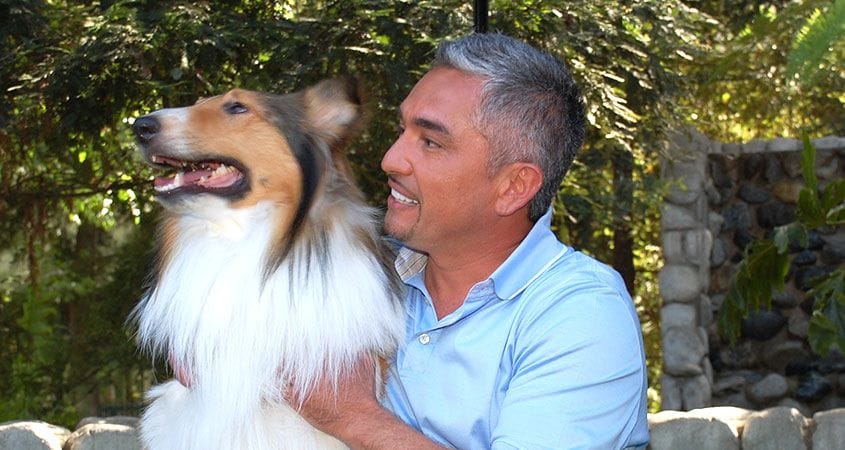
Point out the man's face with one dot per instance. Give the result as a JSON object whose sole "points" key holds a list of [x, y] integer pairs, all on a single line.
{"points": [[438, 167]]}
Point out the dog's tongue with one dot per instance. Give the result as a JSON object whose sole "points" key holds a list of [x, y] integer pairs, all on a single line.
{"points": [[219, 178]]}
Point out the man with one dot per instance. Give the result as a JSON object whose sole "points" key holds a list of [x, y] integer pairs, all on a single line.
{"points": [[514, 340]]}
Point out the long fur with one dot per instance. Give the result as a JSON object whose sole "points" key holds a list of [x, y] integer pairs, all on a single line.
{"points": [[248, 309]]}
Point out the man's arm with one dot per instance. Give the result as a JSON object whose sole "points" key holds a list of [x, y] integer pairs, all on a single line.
{"points": [[353, 414]]}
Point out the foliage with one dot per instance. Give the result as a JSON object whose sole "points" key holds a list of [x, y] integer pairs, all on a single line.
{"points": [[765, 265], [815, 41], [741, 88]]}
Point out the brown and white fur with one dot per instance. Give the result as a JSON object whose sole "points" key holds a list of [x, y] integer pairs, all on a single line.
{"points": [[270, 272]]}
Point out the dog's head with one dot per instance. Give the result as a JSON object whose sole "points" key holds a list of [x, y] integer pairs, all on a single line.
{"points": [[244, 147]]}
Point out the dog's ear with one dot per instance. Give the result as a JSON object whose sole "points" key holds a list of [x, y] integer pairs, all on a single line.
{"points": [[333, 109]]}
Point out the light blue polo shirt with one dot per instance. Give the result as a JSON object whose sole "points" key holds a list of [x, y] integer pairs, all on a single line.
{"points": [[546, 353]]}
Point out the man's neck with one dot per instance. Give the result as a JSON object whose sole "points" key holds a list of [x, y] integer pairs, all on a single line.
{"points": [[450, 274]]}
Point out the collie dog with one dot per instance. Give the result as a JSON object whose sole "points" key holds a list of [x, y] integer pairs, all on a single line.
{"points": [[271, 272]]}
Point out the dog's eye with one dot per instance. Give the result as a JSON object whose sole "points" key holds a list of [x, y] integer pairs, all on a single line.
{"points": [[235, 108]]}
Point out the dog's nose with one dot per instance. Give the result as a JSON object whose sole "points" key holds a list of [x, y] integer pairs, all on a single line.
{"points": [[146, 128]]}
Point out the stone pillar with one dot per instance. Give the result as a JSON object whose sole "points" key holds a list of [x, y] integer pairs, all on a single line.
{"points": [[685, 277]]}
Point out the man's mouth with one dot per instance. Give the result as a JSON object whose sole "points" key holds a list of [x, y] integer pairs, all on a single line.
{"points": [[197, 176], [403, 199]]}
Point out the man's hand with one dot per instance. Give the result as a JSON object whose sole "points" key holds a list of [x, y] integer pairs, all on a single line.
{"points": [[334, 411], [353, 414]]}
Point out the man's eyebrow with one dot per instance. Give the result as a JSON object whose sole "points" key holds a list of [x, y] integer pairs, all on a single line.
{"points": [[431, 125]]}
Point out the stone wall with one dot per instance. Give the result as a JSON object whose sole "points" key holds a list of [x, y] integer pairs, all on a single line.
{"points": [[722, 428], [721, 197]]}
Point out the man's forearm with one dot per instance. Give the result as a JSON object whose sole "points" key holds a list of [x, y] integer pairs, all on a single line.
{"points": [[380, 430]]}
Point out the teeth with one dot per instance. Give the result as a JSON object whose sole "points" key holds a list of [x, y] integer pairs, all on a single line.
{"points": [[402, 199]]}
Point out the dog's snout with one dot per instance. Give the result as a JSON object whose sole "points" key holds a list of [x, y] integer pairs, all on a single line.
{"points": [[146, 128]]}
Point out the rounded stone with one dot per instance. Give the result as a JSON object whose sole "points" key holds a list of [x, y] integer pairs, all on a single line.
{"points": [[779, 355], [696, 392], [762, 325], [679, 283], [674, 217], [753, 194], [830, 429], [787, 191], [798, 324], [683, 351], [678, 315], [32, 435], [805, 258], [772, 387], [813, 387], [737, 216], [772, 172], [775, 428], [775, 214], [96, 436]]}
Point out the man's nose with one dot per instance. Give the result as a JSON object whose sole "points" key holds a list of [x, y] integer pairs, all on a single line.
{"points": [[395, 159]]}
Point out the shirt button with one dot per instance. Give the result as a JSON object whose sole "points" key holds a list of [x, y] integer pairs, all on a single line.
{"points": [[424, 339]]}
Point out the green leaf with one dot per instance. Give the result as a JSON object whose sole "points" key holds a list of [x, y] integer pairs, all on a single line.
{"points": [[827, 324], [762, 270], [808, 164], [791, 233]]}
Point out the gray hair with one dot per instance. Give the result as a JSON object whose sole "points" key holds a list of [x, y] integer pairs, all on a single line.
{"points": [[531, 110]]}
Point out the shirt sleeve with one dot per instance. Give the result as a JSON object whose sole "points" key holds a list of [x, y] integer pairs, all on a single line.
{"points": [[578, 374]]}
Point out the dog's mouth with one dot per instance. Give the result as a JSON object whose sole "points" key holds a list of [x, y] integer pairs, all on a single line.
{"points": [[219, 177]]}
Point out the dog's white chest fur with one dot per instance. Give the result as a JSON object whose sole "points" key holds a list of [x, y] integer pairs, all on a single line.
{"points": [[243, 338]]}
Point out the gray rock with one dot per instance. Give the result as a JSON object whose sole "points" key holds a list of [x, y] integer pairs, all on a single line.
{"points": [[679, 283], [678, 315], [772, 171], [689, 176], [753, 194], [783, 299], [683, 351], [775, 214], [776, 428], [32, 435], [784, 145], [754, 146], [792, 164], [670, 393], [778, 355], [673, 247], [813, 387], [829, 143], [762, 325], [697, 245], [696, 392], [731, 148], [772, 387], [805, 258], [787, 191], [719, 173], [672, 430], [129, 421], [719, 254], [799, 323], [737, 217], [715, 221], [830, 429], [729, 382], [675, 217], [833, 248], [104, 436]]}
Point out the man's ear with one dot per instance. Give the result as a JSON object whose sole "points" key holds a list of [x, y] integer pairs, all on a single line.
{"points": [[518, 183]]}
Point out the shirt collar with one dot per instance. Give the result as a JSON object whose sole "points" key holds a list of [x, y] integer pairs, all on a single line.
{"points": [[533, 256]]}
